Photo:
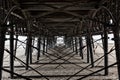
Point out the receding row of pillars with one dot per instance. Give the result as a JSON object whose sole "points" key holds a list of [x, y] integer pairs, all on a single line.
{"points": [[43, 43], [74, 42], [78, 45]]}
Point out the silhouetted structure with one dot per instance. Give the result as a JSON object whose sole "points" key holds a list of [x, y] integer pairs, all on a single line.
{"points": [[45, 19]]}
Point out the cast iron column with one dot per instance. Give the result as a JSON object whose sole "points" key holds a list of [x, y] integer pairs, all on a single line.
{"points": [[39, 47], [2, 37], [116, 30], [76, 45], [11, 51], [81, 47], [44, 45], [105, 45]]}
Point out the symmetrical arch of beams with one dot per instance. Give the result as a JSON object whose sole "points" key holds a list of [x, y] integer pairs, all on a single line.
{"points": [[72, 19]]}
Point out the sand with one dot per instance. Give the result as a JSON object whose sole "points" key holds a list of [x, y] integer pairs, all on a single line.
{"points": [[61, 67]]}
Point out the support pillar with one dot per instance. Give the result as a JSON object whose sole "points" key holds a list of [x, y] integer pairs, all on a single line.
{"points": [[2, 45], [73, 44], [31, 48], [43, 45], [88, 53], [117, 49], [2, 36], [28, 47], [28, 50], [81, 47], [11, 51], [16, 42], [39, 47], [105, 45], [46, 44], [89, 50], [116, 31], [89, 47], [76, 45]]}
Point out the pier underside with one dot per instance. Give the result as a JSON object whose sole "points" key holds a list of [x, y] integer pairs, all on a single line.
{"points": [[59, 40]]}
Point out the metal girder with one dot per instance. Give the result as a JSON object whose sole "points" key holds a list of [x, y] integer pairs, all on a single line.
{"points": [[64, 20], [62, 9], [55, 24], [49, 7]]}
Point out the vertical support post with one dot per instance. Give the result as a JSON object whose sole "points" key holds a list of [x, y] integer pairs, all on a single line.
{"points": [[105, 45], [92, 42], [73, 43], [28, 47], [27, 54], [2, 35], [66, 41], [16, 42], [117, 49], [87, 49], [30, 50], [11, 51], [116, 31], [39, 47], [76, 45], [90, 49], [33, 42], [53, 41], [69, 41], [44, 45], [81, 47], [48, 43], [2, 45]]}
